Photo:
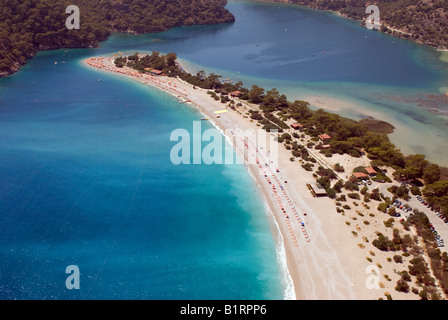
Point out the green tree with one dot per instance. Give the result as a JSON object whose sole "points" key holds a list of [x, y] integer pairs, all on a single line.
{"points": [[271, 97], [402, 286], [382, 242], [414, 167], [436, 189], [300, 110], [431, 173], [171, 59], [256, 94], [213, 80], [382, 207]]}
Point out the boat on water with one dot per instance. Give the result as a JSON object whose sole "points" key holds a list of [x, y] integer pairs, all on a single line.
{"points": [[204, 118]]}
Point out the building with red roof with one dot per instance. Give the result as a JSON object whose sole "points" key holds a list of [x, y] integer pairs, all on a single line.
{"points": [[153, 71], [370, 171], [360, 175], [236, 93], [297, 126], [324, 138]]}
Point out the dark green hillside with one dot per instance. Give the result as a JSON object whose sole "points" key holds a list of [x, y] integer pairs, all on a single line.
{"points": [[27, 26], [424, 21]]}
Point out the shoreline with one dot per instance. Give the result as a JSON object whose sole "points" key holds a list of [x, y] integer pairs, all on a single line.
{"points": [[395, 33], [323, 260], [290, 264], [287, 266]]}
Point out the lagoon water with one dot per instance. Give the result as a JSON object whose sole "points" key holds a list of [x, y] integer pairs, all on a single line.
{"points": [[85, 174], [304, 52]]}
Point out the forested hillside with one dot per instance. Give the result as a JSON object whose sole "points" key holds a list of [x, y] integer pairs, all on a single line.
{"points": [[27, 26], [424, 21]]}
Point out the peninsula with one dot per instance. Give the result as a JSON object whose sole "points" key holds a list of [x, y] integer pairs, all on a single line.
{"points": [[358, 219]]}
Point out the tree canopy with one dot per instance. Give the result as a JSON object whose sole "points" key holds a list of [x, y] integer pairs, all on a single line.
{"points": [[28, 26], [424, 21]]}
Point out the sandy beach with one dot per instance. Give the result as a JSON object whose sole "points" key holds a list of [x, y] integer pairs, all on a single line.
{"points": [[329, 255]]}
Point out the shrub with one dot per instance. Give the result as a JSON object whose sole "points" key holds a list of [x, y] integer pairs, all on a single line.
{"points": [[354, 153], [327, 152], [396, 237], [402, 286], [286, 136], [382, 207], [375, 195], [255, 115], [401, 191], [416, 191], [353, 195], [406, 242], [331, 193], [417, 267], [349, 185], [338, 168], [423, 294], [383, 243], [224, 99], [389, 223], [338, 185], [392, 211], [381, 177], [366, 197], [307, 166], [405, 276], [326, 173], [364, 190]]}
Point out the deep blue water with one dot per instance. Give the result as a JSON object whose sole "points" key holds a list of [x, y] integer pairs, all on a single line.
{"points": [[86, 179], [85, 174]]}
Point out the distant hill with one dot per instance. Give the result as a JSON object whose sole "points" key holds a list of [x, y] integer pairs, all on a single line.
{"points": [[28, 26], [423, 21]]}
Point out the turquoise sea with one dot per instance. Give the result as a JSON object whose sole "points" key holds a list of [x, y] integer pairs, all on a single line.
{"points": [[86, 180], [85, 174]]}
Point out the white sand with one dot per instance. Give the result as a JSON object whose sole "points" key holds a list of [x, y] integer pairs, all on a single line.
{"points": [[324, 258]]}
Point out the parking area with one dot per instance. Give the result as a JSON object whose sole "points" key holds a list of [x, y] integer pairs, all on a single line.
{"points": [[439, 222], [404, 209]]}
